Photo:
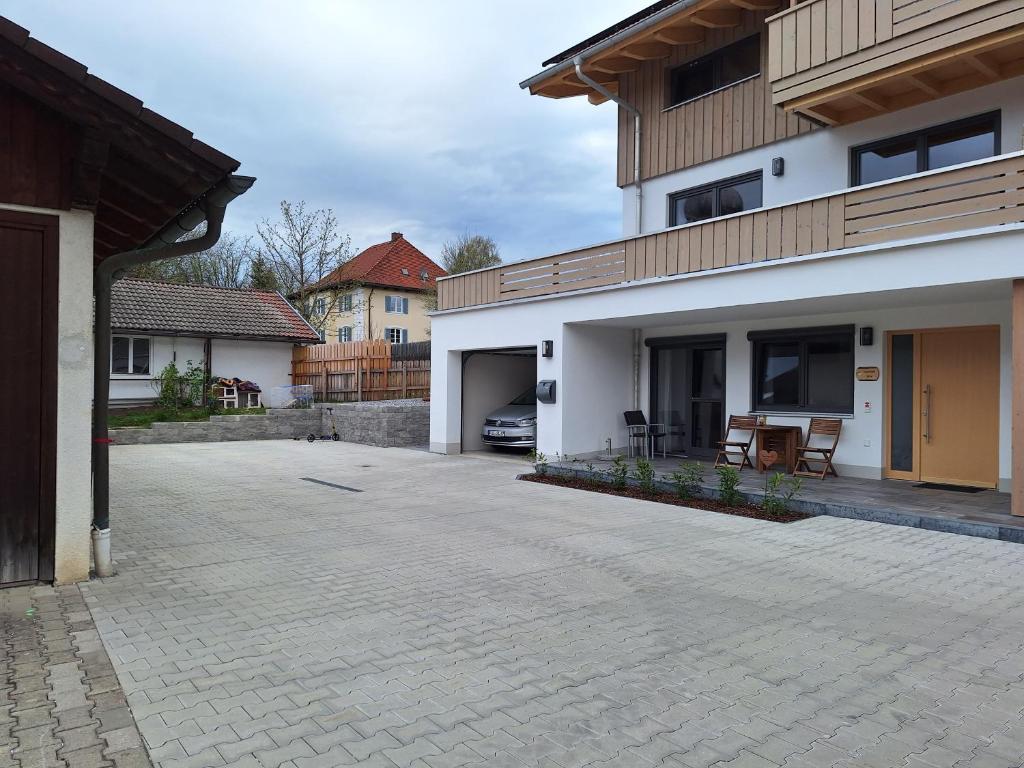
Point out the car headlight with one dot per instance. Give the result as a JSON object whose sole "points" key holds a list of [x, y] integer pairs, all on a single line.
{"points": [[527, 422]]}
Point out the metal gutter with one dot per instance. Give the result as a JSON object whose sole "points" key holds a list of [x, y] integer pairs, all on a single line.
{"points": [[609, 42]]}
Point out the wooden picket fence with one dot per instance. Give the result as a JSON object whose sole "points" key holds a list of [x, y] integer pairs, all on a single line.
{"points": [[356, 371]]}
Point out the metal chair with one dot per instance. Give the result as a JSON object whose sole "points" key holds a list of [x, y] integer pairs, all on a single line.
{"points": [[742, 447], [638, 429]]}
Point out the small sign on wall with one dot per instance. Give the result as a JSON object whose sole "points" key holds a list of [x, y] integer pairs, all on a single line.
{"points": [[868, 373]]}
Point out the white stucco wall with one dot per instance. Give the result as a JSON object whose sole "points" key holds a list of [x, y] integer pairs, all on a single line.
{"points": [[489, 382], [597, 387], [818, 163], [74, 392], [162, 350]]}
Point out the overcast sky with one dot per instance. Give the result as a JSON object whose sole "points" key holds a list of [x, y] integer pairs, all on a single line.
{"points": [[399, 114]]}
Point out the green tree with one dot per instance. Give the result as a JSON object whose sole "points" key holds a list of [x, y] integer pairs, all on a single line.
{"points": [[468, 252], [261, 275]]}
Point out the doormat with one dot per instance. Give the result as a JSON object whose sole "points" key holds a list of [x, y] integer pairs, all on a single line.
{"points": [[945, 487]]}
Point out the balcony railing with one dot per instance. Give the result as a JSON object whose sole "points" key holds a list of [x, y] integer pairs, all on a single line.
{"points": [[976, 195], [845, 60]]}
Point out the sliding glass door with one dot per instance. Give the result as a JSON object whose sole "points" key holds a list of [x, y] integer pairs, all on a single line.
{"points": [[688, 392]]}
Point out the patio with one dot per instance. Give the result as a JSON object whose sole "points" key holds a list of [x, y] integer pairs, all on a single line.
{"points": [[983, 513]]}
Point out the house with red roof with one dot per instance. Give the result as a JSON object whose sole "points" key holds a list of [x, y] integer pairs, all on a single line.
{"points": [[384, 292]]}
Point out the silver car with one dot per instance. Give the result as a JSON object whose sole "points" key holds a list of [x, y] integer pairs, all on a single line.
{"points": [[513, 425]]}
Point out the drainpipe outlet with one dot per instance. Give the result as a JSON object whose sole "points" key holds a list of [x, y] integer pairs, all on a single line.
{"points": [[101, 553]]}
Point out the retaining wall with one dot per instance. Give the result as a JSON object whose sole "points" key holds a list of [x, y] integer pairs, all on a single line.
{"points": [[276, 424], [384, 423]]}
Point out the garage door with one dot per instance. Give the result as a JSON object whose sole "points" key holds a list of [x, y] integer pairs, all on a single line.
{"points": [[28, 346]]}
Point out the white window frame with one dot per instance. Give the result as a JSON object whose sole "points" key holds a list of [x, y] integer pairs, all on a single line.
{"points": [[403, 335], [341, 333], [320, 307], [131, 356], [345, 302], [401, 301]]}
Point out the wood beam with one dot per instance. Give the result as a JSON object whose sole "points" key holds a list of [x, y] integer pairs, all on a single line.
{"points": [[821, 113], [717, 18], [614, 65], [1017, 388], [924, 83], [756, 5], [647, 51], [688, 35], [879, 105], [982, 66]]}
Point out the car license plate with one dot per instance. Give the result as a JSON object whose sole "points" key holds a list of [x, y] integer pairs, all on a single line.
{"points": [[496, 432]]}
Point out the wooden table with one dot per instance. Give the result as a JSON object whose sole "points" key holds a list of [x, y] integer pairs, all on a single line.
{"points": [[782, 440]]}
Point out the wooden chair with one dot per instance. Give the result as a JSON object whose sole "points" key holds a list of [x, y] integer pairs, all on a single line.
{"points": [[638, 429], [738, 424], [806, 455]]}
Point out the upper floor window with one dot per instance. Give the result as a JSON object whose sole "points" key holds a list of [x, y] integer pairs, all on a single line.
{"points": [[720, 198], [720, 69], [320, 307], [396, 305], [396, 335], [345, 333], [974, 138], [345, 302], [130, 355]]}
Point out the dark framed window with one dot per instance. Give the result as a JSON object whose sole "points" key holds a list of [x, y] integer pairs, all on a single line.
{"points": [[720, 198], [973, 138], [720, 69], [803, 369], [129, 355]]}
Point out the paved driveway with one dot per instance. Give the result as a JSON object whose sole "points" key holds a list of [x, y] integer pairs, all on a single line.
{"points": [[448, 614]]}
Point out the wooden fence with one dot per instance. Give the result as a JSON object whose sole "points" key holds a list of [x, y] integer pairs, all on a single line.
{"points": [[357, 371]]}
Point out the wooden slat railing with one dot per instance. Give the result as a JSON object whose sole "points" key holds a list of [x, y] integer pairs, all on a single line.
{"points": [[972, 196], [821, 44]]}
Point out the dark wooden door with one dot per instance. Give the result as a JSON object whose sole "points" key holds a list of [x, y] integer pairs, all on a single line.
{"points": [[28, 312]]}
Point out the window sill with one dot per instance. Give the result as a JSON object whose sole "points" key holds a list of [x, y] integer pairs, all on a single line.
{"points": [[131, 376], [804, 414]]}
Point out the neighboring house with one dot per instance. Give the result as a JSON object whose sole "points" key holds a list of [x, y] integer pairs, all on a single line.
{"points": [[822, 215], [232, 333], [88, 172], [382, 293]]}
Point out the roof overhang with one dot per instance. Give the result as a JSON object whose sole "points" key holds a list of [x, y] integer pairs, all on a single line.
{"points": [[193, 334], [652, 37]]}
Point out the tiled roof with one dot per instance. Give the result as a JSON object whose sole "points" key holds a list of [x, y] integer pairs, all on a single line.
{"points": [[175, 309], [394, 264]]}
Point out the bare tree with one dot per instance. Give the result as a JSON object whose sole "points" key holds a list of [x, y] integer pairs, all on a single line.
{"points": [[302, 248], [468, 252], [225, 265]]}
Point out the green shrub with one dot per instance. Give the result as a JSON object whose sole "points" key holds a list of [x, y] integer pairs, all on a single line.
{"points": [[779, 491], [619, 472], [193, 384], [689, 480], [539, 461], [166, 384], [644, 474], [728, 482]]}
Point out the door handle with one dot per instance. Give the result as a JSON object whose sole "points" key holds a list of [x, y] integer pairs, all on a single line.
{"points": [[926, 413]]}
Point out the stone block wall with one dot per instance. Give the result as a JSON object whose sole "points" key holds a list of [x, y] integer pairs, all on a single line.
{"points": [[386, 423], [276, 424]]}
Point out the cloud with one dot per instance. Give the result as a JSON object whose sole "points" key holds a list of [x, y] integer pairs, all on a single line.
{"points": [[399, 115]]}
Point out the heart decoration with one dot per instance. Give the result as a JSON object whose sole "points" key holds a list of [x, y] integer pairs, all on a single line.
{"points": [[768, 458]]}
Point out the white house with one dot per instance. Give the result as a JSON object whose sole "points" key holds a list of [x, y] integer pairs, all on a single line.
{"points": [[823, 214], [230, 333]]}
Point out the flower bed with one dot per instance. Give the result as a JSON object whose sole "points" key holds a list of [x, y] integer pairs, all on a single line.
{"points": [[666, 497]]}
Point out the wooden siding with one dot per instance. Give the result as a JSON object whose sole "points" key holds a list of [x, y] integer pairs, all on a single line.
{"points": [[722, 123], [978, 195], [36, 148], [821, 45]]}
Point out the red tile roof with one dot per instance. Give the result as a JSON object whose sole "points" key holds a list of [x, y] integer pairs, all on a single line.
{"points": [[176, 309], [383, 265]]}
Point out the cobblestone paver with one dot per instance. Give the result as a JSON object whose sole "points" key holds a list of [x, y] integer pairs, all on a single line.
{"points": [[60, 701], [450, 615]]}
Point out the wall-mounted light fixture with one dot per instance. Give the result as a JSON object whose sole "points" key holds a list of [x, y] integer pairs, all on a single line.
{"points": [[867, 336], [778, 166], [547, 348]]}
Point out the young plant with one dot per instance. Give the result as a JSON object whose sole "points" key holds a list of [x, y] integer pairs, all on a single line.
{"points": [[540, 463], [590, 467], [728, 483], [779, 491], [644, 474], [194, 383], [167, 385], [619, 472], [689, 480]]}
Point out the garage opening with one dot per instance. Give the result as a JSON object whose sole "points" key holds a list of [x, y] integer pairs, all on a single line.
{"points": [[499, 407]]}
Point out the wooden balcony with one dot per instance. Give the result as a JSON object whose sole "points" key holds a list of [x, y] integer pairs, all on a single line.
{"points": [[987, 193], [839, 61]]}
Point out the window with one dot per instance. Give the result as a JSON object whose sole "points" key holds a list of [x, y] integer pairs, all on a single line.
{"points": [[320, 307], [129, 355], [345, 302], [740, 193], [726, 66], [803, 369], [396, 335], [396, 305], [345, 333], [949, 144], [323, 335]]}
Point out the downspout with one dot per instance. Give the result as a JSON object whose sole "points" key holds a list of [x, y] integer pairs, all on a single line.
{"points": [[578, 61], [166, 245]]}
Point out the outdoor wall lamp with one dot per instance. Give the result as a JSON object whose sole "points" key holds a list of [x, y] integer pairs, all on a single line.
{"points": [[547, 348]]}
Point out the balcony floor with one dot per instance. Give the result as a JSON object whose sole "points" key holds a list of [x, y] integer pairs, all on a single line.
{"points": [[897, 502]]}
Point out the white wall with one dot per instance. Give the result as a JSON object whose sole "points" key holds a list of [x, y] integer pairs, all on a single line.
{"points": [[597, 387], [489, 382], [74, 392], [818, 163], [268, 363]]}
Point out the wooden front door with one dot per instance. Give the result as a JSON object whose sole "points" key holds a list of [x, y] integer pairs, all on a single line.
{"points": [[943, 406], [28, 344]]}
